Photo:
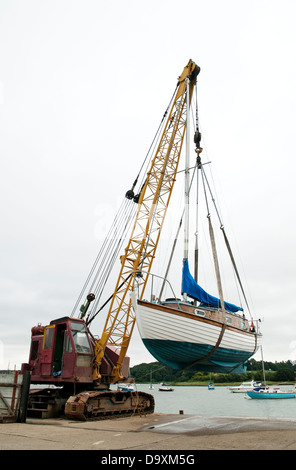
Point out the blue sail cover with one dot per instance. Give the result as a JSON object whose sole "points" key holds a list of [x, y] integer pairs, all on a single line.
{"points": [[193, 290]]}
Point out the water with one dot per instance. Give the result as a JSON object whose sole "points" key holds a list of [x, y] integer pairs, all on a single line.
{"points": [[219, 402]]}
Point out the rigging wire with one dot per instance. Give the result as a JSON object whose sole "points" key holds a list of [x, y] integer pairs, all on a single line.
{"points": [[108, 261], [101, 261], [197, 138], [130, 193], [113, 242], [225, 238]]}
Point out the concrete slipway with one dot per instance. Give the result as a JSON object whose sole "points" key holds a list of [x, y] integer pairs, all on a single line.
{"points": [[151, 432]]}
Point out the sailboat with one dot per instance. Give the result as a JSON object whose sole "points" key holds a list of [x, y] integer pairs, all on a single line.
{"points": [[151, 385], [211, 386], [198, 332]]}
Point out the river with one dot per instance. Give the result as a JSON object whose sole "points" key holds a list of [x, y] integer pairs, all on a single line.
{"points": [[219, 402]]}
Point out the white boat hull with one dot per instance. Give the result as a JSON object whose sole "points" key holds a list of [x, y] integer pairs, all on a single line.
{"points": [[186, 341]]}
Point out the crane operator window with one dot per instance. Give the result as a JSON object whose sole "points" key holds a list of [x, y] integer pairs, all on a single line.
{"points": [[80, 338]]}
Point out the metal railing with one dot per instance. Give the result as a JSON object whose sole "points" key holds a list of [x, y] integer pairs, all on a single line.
{"points": [[150, 290]]}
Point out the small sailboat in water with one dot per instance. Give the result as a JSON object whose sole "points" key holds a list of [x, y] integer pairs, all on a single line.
{"points": [[199, 332], [151, 385], [211, 386]]}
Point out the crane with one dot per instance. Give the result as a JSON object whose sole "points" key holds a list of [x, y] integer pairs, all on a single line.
{"points": [[65, 353], [152, 206]]}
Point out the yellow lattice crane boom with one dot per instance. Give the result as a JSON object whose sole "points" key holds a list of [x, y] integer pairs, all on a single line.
{"points": [[152, 206]]}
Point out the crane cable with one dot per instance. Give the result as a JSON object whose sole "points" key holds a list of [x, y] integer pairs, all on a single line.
{"points": [[130, 193], [108, 253], [107, 245]]}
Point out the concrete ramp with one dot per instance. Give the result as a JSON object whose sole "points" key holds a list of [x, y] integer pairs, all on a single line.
{"points": [[202, 425]]}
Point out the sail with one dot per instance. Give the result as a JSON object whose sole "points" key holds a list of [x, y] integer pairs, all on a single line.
{"points": [[196, 292]]}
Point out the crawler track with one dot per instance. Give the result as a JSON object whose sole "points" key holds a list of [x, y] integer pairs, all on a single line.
{"points": [[107, 404]]}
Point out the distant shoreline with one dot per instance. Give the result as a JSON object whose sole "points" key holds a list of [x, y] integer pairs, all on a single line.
{"points": [[205, 384]]}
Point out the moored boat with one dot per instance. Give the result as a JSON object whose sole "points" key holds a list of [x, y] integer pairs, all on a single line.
{"points": [[165, 388], [245, 387], [126, 387], [211, 386], [271, 394], [151, 385]]}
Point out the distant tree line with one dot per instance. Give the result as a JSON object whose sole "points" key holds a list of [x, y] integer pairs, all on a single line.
{"points": [[284, 371]]}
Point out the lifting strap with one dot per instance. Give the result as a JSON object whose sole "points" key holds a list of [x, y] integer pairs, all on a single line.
{"points": [[207, 356], [234, 264]]}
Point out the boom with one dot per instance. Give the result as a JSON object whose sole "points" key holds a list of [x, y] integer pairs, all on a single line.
{"points": [[141, 248]]}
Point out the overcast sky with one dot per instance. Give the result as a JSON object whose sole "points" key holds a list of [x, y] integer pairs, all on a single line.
{"points": [[83, 87]]}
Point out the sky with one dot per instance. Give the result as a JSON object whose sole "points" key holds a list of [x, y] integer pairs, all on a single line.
{"points": [[83, 87]]}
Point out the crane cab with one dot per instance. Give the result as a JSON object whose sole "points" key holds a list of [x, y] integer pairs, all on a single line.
{"points": [[61, 352]]}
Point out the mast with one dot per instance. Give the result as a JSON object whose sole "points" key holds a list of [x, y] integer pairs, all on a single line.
{"points": [[196, 235], [198, 150], [186, 195]]}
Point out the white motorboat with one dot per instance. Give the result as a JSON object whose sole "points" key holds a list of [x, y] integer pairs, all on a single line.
{"points": [[165, 388], [246, 387], [126, 387]]}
